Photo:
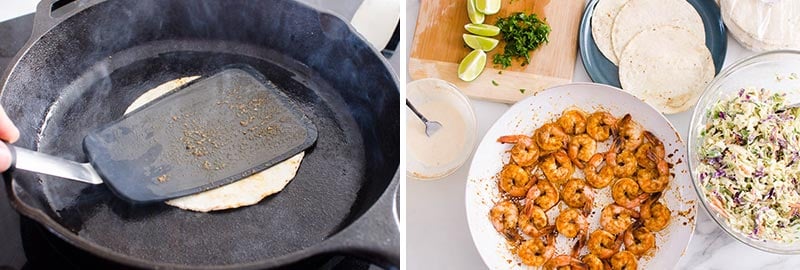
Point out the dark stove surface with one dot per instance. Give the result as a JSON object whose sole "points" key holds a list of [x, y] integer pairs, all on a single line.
{"points": [[24, 244]]}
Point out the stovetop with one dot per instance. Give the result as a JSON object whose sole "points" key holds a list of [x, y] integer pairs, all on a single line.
{"points": [[24, 244]]}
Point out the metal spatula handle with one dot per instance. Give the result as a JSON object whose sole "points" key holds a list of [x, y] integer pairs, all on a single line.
{"points": [[32, 161]]}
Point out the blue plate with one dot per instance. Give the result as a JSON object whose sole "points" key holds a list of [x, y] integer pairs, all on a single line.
{"points": [[601, 70]]}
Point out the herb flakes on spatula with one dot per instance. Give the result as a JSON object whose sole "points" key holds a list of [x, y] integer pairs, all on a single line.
{"points": [[522, 34]]}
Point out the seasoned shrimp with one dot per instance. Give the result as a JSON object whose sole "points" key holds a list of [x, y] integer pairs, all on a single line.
{"points": [[630, 132], [533, 221], [624, 164], [560, 261], [525, 151], [655, 215], [557, 167], [571, 223], [572, 122], [624, 260], [536, 252], [504, 217], [600, 125], [577, 194], [544, 195], [626, 193], [638, 239], [550, 137], [515, 180], [616, 219], [654, 180], [603, 244], [581, 148], [652, 146], [598, 176], [593, 262]]}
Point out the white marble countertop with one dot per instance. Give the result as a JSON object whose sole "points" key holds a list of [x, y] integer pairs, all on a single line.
{"points": [[437, 235]]}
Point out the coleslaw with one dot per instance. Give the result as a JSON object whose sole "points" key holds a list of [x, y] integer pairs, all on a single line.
{"points": [[750, 164]]}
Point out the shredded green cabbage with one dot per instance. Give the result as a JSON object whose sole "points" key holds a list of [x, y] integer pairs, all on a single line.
{"points": [[750, 164]]}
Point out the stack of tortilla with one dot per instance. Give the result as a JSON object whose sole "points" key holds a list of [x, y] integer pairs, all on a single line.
{"points": [[659, 47], [763, 25]]}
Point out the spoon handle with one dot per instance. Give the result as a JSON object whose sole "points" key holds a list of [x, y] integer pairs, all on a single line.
{"points": [[408, 103]]}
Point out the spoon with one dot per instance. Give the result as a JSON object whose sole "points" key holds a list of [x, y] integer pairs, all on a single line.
{"points": [[430, 126]]}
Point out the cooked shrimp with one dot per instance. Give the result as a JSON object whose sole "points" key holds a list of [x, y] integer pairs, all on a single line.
{"points": [[616, 219], [550, 137], [581, 148], [504, 217], [572, 122], [593, 262], [603, 244], [655, 215], [544, 195], [626, 193], [624, 164], [533, 221], [654, 180], [598, 176], [536, 252], [571, 223], [651, 146], [638, 239], [560, 261], [515, 180], [525, 152], [577, 194], [557, 167], [624, 260], [600, 125], [630, 132]]}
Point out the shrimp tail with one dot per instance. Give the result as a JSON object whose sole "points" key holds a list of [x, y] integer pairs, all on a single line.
{"points": [[578, 163], [510, 138]]}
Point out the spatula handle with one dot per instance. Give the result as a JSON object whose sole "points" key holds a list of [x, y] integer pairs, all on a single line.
{"points": [[32, 161]]}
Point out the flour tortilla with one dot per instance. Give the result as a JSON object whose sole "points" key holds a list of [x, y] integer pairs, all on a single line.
{"points": [[666, 68], [247, 191], [602, 22], [639, 15], [763, 25]]}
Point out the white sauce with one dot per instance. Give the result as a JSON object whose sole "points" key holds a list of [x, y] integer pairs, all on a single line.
{"points": [[447, 144]]}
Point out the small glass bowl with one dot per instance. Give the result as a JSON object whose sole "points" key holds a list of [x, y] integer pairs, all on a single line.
{"points": [[422, 91], [771, 70]]}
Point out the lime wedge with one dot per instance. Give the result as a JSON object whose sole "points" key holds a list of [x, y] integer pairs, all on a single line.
{"points": [[486, 30], [488, 7], [472, 65], [480, 43], [475, 16]]}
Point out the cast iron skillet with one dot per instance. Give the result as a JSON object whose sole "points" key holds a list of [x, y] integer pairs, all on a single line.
{"points": [[82, 69]]}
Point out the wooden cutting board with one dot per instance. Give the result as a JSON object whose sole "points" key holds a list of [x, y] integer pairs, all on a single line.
{"points": [[438, 48]]}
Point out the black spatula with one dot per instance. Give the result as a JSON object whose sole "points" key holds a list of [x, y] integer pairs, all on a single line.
{"points": [[207, 134]]}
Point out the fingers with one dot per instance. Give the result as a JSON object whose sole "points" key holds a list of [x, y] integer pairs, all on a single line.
{"points": [[8, 131]]}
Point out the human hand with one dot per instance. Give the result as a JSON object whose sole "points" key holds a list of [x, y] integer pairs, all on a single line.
{"points": [[8, 133]]}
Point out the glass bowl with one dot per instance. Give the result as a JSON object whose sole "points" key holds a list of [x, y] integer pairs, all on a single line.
{"points": [[443, 102], [776, 71]]}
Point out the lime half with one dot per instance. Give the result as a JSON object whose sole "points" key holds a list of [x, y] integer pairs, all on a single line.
{"points": [[475, 16], [472, 65], [486, 30], [480, 43], [487, 7]]}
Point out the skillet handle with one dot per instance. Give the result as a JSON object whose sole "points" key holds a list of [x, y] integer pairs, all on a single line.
{"points": [[375, 236], [51, 12]]}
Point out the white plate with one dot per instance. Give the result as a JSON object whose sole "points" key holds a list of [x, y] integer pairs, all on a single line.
{"points": [[528, 114]]}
